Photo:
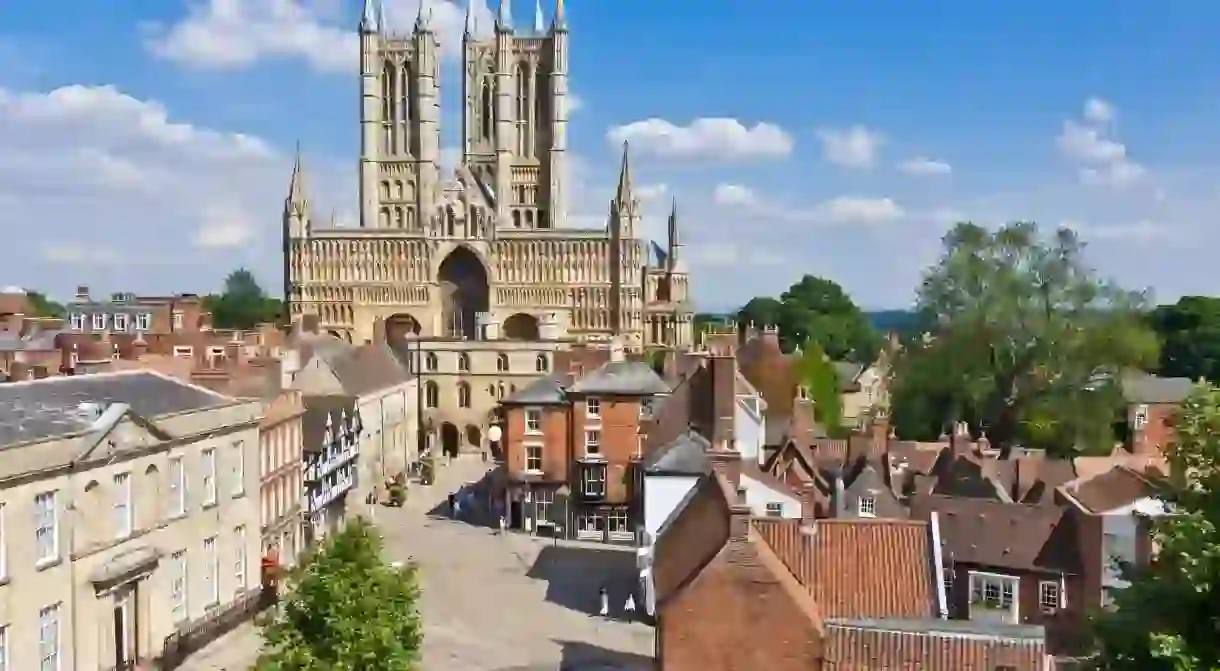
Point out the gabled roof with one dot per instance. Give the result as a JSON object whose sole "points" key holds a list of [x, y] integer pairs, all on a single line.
{"points": [[543, 391], [859, 568], [365, 369], [1002, 535], [621, 377], [684, 455], [1141, 387], [1116, 488], [960, 645]]}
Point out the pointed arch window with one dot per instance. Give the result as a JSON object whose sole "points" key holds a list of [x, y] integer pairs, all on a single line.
{"points": [[488, 115], [523, 107], [502, 363], [432, 394], [541, 364], [463, 395], [463, 363], [430, 362]]}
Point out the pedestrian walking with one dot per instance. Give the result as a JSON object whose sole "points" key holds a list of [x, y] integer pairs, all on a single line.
{"points": [[629, 607], [503, 525], [605, 597], [452, 506]]}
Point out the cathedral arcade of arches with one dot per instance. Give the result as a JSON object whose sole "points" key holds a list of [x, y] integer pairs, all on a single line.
{"points": [[521, 326], [451, 439], [464, 293], [401, 326]]}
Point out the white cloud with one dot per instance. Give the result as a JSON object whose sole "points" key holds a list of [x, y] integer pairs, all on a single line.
{"points": [[575, 103], [855, 147], [1098, 111], [925, 167], [707, 138], [235, 34], [224, 227], [1100, 158], [841, 210], [726, 255], [650, 192], [103, 178]]}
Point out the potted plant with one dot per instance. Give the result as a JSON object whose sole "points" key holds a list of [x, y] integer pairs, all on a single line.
{"points": [[398, 491]]}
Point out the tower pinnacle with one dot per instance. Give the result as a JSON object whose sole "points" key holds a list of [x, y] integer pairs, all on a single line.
{"points": [[368, 18], [560, 20], [470, 20], [624, 195], [539, 24], [423, 20], [504, 18], [296, 185]]}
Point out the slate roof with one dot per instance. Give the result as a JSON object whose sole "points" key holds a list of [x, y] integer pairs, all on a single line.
{"points": [[43, 409], [685, 455], [544, 391], [1140, 387], [1113, 489], [621, 377], [317, 409], [364, 369], [1012, 536], [859, 568]]}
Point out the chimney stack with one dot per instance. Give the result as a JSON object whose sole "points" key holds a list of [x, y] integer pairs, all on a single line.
{"points": [[723, 371], [840, 498], [739, 516], [727, 464], [82, 293], [809, 504], [290, 364]]}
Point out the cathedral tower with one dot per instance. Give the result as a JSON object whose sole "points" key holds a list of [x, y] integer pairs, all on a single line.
{"points": [[399, 121], [515, 116]]}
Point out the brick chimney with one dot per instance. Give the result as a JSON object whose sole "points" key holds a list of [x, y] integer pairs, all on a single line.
{"points": [[739, 516], [961, 441], [727, 464], [809, 504], [82, 293], [880, 427], [770, 336], [723, 371]]}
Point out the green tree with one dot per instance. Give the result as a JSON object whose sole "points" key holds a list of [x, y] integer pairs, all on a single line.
{"points": [[818, 375], [347, 610], [1028, 342], [1190, 337], [817, 310], [45, 307], [706, 321], [242, 304], [1169, 617]]}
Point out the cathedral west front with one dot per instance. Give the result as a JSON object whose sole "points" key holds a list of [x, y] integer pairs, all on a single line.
{"points": [[477, 269]]}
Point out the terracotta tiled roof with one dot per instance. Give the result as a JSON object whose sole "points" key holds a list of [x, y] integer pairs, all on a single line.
{"points": [[1002, 535], [1115, 488], [931, 645], [751, 470], [858, 568]]}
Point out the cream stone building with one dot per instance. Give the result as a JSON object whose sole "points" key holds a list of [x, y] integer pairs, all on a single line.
{"points": [[479, 263], [129, 509]]}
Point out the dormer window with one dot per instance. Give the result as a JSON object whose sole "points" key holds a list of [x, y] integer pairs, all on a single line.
{"points": [[1141, 417], [99, 321], [143, 321], [78, 322], [802, 392], [120, 322]]}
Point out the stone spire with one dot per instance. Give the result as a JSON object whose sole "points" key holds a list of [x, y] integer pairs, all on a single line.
{"points": [[539, 24], [674, 255], [297, 200], [423, 20], [368, 19], [470, 20], [504, 18], [624, 194], [560, 21]]}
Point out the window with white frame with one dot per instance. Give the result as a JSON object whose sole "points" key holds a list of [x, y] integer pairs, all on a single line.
{"points": [[544, 502], [46, 535], [590, 523], [211, 577], [992, 591], [183, 351], [593, 441], [533, 420], [99, 321], [239, 559], [48, 638], [177, 320], [646, 406], [533, 458], [775, 509], [177, 586], [593, 479], [177, 487], [78, 322], [593, 407], [124, 517], [143, 321], [120, 322], [239, 468], [209, 477], [1141, 417], [617, 522], [867, 506], [1049, 596]]}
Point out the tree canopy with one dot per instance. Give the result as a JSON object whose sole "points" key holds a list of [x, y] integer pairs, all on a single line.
{"points": [[1190, 337], [818, 375], [347, 610], [1168, 618], [819, 311], [1026, 343], [242, 304], [45, 307]]}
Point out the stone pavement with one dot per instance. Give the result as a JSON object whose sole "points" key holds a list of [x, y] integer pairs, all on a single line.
{"points": [[491, 602]]}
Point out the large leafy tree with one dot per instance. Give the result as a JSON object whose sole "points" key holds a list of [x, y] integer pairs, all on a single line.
{"points": [[242, 304], [43, 306], [1169, 617], [347, 610], [816, 310], [818, 375], [1190, 337], [1028, 343]]}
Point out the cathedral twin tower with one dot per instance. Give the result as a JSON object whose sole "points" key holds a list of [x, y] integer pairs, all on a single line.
{"points": [[483, 253]]}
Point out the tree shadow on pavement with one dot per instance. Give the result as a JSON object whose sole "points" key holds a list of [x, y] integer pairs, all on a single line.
{"points": [[474, 511], [575, 575], [578, 656]]}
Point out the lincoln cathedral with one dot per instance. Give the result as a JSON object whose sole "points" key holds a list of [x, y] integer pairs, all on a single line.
{"points": [[477, 270]]}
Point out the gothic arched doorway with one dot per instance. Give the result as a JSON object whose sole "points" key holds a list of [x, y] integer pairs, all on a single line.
{"points": [[474, 437], [464, 293], [521, 327], [451, 439], [400, 327]]}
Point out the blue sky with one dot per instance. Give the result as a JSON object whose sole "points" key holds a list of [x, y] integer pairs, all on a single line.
{"points": [[145, 145]]}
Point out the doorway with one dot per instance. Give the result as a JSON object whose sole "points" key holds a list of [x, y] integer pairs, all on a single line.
{"points": [[126, 627], [451, 439]]}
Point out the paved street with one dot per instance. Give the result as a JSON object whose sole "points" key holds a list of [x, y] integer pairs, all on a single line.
{"points": [[495, 603]]}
